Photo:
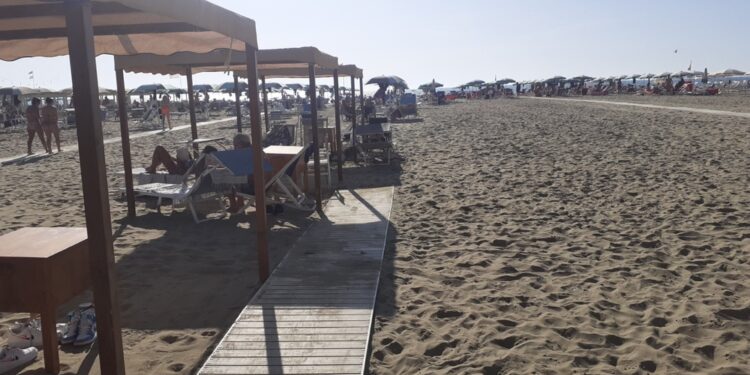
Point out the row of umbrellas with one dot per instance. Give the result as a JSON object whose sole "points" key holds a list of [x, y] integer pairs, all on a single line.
{"points": [[28, 91], [682, 73]]}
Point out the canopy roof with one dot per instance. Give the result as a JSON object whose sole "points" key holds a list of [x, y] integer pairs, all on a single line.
{"points": [[344, 70], [226, 60], [123, 27]]}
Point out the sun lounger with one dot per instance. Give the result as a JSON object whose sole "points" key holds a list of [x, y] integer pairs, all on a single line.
{"points": [[192, 191], [373, 142]]}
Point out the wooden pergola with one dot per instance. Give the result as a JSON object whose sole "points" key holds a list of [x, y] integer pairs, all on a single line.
{"points": [[308, 60], [83, 29], [350, 70]]}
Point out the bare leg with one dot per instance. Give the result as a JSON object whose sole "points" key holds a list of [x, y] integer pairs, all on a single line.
{"points": [[56, 132], [169, 120], [44, 141], [161, 157], [48, 135], [29, 141]]}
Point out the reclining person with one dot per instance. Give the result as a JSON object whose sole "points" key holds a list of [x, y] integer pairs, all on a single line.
{"points": [[180, 164]]}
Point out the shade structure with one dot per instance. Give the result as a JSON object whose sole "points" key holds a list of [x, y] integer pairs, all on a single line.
{"points": [[649, 75], [582, 78], [309, 58], [554, 79], [159, 88], [394, 81], [505, 81], [82, 29], [663, 75], [294, 86], [124, 27], [225, 60]]}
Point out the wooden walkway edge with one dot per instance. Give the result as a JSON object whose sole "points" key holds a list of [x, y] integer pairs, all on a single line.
{"points": [[314, 314]]}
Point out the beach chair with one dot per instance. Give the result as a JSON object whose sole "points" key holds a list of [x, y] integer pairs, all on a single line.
{"points": [[234, 168], [407, 106], [373, 142], [192, 191]]}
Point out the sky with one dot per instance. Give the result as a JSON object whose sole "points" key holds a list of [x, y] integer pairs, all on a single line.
{"points": [[460, 41]]}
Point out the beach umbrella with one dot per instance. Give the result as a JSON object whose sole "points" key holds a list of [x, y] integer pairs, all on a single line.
{"points": [[203, 88], [19, 90], [395, 81], [582, 78], [648, 76], [664, 75], [733, 72], [505, 81], [229, 87], [682, 73], [156, 87], [625, 76], [474, 83], [102, 91]]}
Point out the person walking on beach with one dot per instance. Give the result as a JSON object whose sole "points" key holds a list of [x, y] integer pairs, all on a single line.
{"points": [[166, 115], [34, 125], [49, 124]]}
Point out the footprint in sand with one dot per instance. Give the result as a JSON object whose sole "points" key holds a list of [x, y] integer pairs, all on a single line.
{"points": [[176, 367], [440, 348]]}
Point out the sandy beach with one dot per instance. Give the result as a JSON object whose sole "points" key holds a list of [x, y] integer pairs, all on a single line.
{"points": [[527, 237], [736, 103], [180, 284], [552, 237]]}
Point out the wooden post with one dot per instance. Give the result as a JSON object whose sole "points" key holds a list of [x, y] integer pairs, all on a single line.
{"points": [[125, 136], [316, 146], [94, 180], [191, 105], [237, 105], [256, 135], [265, 104], [362, 98], [354, 108], [336, 109]]}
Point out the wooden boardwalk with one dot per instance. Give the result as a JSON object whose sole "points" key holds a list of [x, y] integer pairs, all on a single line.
{"points": [[314, 314]]}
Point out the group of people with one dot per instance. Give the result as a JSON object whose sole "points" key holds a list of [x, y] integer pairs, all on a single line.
{"points": [[42, 122]]}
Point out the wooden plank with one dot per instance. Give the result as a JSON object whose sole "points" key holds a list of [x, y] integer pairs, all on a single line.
{"points": [[289, 345], [282, 332], [284, 353], [287, 361], [289, 338], [287, 370], [312, 321]]}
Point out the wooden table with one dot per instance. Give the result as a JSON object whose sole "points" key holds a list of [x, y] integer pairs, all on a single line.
{"points": [[40, 269]]}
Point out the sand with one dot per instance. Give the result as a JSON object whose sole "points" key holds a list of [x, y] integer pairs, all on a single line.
{"points": [[181, 285], [731, 102], [551, 237], [527, 237]]}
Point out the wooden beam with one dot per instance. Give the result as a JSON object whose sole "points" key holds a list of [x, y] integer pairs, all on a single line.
{"points": [[148, 28], [237, 105], [125, 137], [256, 135], [94, 181], [362, 98], [265, 103], [316, 146], [57, 9], [191, 105], [337, 110]]}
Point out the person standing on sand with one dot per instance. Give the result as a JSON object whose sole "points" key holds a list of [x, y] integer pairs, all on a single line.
{"points": [[49, 124], [166, 115], [34, 125]]}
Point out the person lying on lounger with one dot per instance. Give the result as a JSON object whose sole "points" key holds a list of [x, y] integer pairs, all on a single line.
{"points": [[180, 164]]}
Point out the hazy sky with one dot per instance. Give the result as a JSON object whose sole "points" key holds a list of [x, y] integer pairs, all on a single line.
{"points": [[455, 42]]}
